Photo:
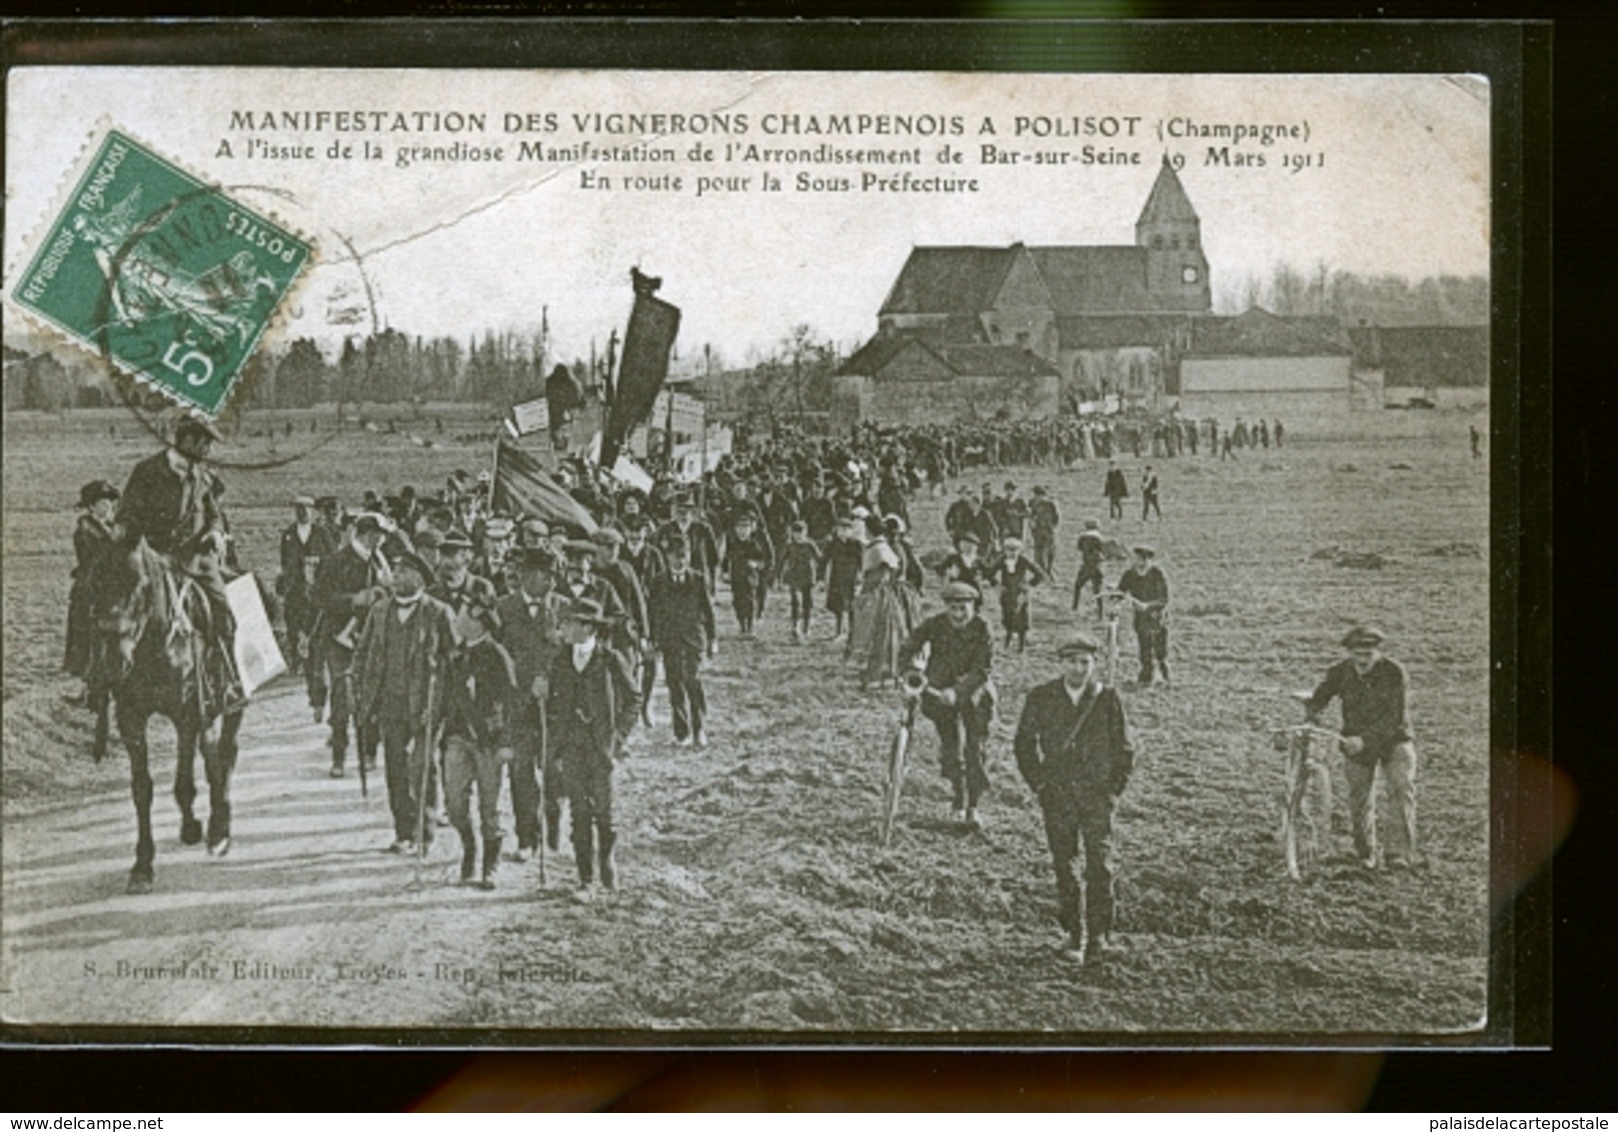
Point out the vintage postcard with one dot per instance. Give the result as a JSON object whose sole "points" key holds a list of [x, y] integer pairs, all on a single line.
{"points": [[606, 555]]}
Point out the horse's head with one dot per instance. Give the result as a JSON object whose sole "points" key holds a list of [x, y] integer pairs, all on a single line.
{"points": [[122, 595]]}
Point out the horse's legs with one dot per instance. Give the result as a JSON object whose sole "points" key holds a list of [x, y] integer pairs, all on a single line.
{"points": [[132, 729], [219, 761], [101, 703], [185, 781]]}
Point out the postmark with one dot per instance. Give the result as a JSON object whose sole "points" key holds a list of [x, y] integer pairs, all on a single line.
{"points": [[171, 279]]}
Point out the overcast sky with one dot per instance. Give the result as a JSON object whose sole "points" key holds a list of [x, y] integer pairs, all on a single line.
{"points": [[453, 247]]}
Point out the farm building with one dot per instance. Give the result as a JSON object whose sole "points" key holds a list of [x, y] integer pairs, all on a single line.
{"points": [[901, 379], [1258, 362], [1439, 365]]}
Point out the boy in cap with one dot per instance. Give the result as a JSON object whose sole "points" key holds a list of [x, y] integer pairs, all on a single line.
{"points": [[844, 555], [748, 560], [1148, 592], [1376, 733], [958, 696], [1043, 519], [1017, 574], [591, 706], [1073, 749], [1091, 551], [800, 565], [480, 707]]}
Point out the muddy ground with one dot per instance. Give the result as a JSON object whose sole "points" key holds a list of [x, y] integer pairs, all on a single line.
{"points": [[756, 896]]}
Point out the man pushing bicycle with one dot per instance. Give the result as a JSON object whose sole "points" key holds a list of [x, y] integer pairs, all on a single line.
{"points": [[1375, 732]]}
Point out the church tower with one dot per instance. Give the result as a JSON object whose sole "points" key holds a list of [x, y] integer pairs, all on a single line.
{"points": [[1168, 228]]}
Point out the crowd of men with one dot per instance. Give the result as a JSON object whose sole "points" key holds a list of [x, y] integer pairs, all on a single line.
{"points": [[489, 655]]}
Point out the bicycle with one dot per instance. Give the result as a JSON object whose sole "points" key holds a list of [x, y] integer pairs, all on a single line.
{"points": [[1306, 795], [1111, 603]]}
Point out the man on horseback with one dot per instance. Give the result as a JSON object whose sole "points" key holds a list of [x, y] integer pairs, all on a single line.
{"points": [[172, 500]]}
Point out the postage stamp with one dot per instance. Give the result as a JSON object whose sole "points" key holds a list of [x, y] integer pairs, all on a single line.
{"points": [[167, 276]]}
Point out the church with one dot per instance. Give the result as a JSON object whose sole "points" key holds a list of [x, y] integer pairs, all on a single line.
{"points": [[969, 332]]}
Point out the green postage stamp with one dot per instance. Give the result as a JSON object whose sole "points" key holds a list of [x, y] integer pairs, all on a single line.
{"points": [[170, 279]]}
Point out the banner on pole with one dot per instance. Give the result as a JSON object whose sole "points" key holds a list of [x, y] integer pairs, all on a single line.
{"points": [[523, 487], [643, 366]]}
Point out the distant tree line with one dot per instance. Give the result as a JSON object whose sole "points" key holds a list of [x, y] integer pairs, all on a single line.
{"points": [[1376, 300]]}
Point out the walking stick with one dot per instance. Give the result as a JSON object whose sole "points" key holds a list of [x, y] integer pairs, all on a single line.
{"points": [[428, 741], [544, 765], [348, 691]]}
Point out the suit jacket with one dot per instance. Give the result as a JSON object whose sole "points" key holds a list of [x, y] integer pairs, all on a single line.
{"points": [[321, 545], [339, 578], [429, 643], [1096, 760], [480, 694], [700, 538], [170, 511], [531, 640], [682, 612], [591, 712], [960, 658]]}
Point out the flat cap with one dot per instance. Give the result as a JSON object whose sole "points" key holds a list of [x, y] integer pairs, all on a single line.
{"points": [[586, 609], [370, 521], [428, 539], [96, 490], [1145, 551], [498, 528], [455, 540], [1079, 644], [578, 546], [303, 501], [1362, 637], [968, 536], [961, 591]]}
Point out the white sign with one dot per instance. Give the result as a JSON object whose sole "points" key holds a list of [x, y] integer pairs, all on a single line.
{"points": [[258, 656], [531, 416]]}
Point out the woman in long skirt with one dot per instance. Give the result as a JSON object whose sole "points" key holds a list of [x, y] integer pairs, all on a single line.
{"points": [[92, 540], [884, 612]]}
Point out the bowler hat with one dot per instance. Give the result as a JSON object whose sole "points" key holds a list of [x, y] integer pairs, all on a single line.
{"points": [[1079, 644], [1361, 637], [196, 426], [95, 491], [961, 591], [416, 562], [588, 610]]}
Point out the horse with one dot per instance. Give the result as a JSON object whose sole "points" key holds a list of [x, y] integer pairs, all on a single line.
{"points": [[150, 619]]}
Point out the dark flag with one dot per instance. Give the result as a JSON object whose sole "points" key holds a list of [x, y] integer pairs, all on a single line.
{"points": [[522, 487], [563, 398], [643, 367]]}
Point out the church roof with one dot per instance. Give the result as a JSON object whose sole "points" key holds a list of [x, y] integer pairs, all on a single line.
{"points": [[1167, 200], [937, 280], [1095, 280], [1108, 332]]}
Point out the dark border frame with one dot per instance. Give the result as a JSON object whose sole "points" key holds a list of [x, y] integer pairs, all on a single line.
{"points": [[1515, 56]]}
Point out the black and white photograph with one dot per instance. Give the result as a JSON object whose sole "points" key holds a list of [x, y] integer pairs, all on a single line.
{"points": [[769, 555]]}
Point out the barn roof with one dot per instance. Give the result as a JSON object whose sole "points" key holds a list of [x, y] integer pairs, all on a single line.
{"points": [[1424, 355], [962, 359], [1258, 333]]}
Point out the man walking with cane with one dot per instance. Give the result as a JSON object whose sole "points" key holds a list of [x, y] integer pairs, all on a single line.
{"points": [[530, 630]]}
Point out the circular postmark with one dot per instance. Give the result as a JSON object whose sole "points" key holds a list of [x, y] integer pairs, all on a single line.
{"points": [[208, 315]]}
